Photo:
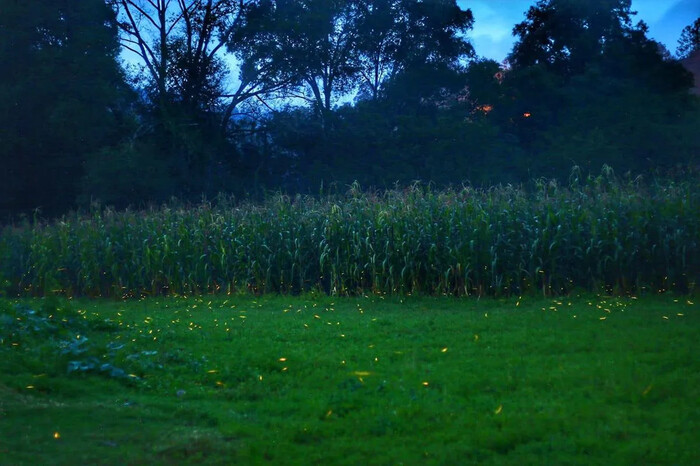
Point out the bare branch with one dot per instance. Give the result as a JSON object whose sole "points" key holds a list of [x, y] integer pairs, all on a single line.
{"points": [[128, 3], [264, 103], [145, 51]]}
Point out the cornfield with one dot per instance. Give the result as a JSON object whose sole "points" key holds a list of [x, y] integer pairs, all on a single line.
{"points": [[599, 234]]}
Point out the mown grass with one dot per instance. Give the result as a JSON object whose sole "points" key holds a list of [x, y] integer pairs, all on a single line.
{"points": [[600, 234], [374, 379]]}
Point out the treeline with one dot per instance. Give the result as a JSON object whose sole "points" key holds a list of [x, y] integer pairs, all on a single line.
{"points": [[247, 96]]}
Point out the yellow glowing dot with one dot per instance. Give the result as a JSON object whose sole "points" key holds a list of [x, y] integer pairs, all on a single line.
{"points": [[444, 350], [680, 314], [499, 409], [665, 317], [213, 371], [29, 387], [603, 318], [284, 369], [219, 383], [328, 414], [316, 316], [56, 435], [425, 384], [260, 377], [283, 359], [476, 337], [360, 373], [690, 302]]}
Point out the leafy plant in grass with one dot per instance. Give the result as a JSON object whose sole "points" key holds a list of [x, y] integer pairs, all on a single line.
{"points": [[55, 332]]}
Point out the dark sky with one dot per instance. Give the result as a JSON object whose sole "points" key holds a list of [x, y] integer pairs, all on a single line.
{"points": [[492, 34]]}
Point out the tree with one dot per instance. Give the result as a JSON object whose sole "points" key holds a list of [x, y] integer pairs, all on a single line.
{"points": [[565, 35], [183, 47], [395, 35], [188, 121], [586, 87], [61, 94], [336, 48], [315, 42], [689, 41]]}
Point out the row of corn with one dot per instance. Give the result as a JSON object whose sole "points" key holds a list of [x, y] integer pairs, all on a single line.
{"points": [[600, 234]]}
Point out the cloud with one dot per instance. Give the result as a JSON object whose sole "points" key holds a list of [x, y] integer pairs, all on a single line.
{"points": [[651, 11], [488, 47], [493, 25]]}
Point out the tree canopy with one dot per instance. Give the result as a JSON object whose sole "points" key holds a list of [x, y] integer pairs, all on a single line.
{"points": [[689, 41], [61, 98]]}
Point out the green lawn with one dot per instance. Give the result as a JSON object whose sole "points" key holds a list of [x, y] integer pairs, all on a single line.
{"points": [[313, 379]]}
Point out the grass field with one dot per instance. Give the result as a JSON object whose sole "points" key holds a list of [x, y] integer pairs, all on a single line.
{"points": [[367, 380]]}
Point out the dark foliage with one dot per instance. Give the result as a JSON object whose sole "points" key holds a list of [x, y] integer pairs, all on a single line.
{"points": [[327, 92], [689, 41], [61, 94]]}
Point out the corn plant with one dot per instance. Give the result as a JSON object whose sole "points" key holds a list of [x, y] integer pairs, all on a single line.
{"points": [[596, 234]]}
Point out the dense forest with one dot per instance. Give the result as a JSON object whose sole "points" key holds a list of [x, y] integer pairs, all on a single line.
{"points": [[130, 102]]}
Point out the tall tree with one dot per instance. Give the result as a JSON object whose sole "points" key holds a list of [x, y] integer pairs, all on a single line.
{"points": [[336, 48], [59, 98], [183, 46], [395, 35], [315, 41], [565, 35], [581, 76], [569, 38], [689, 41], [186, 50]]}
